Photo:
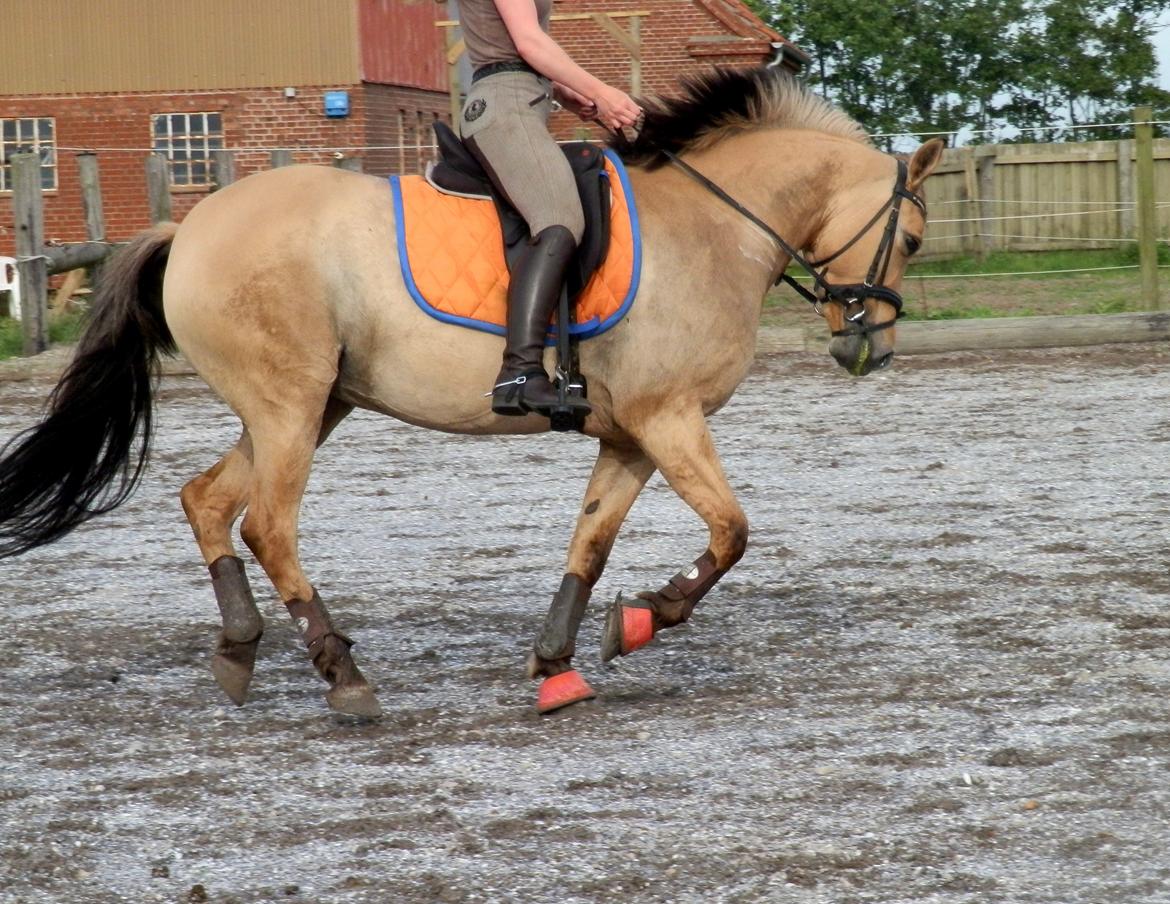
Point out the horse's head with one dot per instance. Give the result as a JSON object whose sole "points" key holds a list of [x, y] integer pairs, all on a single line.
{"points": [[861, 252]]}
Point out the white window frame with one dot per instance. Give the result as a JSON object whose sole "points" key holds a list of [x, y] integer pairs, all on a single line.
{"points": [[188, 152], [20, 142]]}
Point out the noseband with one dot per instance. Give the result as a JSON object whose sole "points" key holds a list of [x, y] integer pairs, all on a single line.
{"points": [[850, 296]]}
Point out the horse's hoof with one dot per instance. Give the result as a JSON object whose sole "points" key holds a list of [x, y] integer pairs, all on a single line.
{"points": [[355, 700], [627, 628], [563, 690], [232, 665]]}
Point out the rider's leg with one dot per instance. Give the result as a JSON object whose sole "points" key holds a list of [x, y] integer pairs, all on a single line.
{"points": [[522, 384], [504, 124]]}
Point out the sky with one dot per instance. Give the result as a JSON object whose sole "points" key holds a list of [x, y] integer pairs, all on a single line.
{"points": [[1162, 43]]}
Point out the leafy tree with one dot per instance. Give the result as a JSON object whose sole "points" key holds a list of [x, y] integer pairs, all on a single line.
{"points": [[950, 65]]}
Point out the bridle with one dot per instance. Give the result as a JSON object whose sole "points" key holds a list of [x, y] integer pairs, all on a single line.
{"points": [[850, 296]]}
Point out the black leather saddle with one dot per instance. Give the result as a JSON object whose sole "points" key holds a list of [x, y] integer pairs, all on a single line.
{"points": [[459, 172]]}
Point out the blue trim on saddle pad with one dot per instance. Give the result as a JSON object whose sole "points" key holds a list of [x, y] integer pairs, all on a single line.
{"points": [[586, 330]]}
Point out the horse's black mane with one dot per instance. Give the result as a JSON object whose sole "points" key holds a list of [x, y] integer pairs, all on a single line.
{"points": [[723, 101]]}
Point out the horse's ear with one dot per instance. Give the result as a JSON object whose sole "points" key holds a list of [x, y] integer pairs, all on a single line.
{"points": [[923, 162]]}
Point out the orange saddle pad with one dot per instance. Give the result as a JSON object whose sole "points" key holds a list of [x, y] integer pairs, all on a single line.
{"points": [[451, 252]]}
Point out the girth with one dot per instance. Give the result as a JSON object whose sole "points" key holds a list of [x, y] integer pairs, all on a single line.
{"points": [[459, 172]]}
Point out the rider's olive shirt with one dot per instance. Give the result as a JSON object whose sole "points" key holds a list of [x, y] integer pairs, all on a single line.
{"points": [[485, 34]]}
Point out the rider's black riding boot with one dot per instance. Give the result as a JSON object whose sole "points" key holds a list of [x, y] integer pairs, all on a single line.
{"points": [[523, 385]]}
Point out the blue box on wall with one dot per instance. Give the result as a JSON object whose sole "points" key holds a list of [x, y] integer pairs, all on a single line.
{"points": [[336, 103]]}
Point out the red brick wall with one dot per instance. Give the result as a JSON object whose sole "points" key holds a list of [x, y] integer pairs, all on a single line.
{"points": [[398, 122], [119, 128], [678, 36], [676, 39]]}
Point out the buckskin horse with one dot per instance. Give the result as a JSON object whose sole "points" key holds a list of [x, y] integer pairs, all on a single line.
{"points": [[282, 291]]}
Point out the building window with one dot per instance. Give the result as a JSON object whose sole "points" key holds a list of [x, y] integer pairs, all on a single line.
{"points": [[24, 136], [188, 140]]}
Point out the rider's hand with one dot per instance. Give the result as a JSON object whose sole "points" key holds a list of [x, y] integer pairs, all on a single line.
{"points": [[615, 109], [575, 102]]}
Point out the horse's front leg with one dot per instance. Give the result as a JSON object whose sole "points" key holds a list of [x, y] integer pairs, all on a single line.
{"points": [[681, 447], [618, 478]]}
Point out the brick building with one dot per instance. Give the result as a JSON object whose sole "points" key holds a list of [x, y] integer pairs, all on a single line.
{"points": [[188, 79]]}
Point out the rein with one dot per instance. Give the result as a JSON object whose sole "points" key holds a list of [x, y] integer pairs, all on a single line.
{"points": [[845, 295]]}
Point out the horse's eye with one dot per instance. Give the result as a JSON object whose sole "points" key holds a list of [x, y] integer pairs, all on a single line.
{"points": [[913, 243]]}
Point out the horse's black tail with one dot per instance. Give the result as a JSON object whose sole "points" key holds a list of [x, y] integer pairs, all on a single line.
{"points": [[88, 452]]}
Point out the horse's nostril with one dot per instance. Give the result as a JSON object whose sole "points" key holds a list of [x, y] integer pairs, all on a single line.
{"points": [[884, 361]]}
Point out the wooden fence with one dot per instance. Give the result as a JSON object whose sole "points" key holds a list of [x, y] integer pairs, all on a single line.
{"points": [[1042, 197], [36, 261], [1016, 197]]}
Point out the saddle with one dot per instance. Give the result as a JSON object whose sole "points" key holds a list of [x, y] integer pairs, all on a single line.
{"points": [[458, 172]]}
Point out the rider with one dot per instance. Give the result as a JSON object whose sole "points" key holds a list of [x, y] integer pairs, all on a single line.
{"points": [[518, 71]]}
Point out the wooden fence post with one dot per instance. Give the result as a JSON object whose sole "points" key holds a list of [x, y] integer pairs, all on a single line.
{"points": [[158, 188], [1125, 198], [223, 168], [973, 243], [1147, 213], [455, 48], [91, 201], [32, 267], [281, 157], [987, 211]]}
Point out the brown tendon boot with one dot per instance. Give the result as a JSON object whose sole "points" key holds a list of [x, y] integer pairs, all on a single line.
{"points": [[523, 385]]}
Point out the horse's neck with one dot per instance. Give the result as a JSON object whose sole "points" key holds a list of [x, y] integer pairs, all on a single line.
{"points": [[788, 180]]}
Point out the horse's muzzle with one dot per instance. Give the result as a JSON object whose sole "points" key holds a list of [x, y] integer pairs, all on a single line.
{"points": [[858, 354]]}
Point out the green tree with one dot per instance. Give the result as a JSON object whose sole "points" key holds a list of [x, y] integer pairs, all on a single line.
{"points": [[952, 65]]}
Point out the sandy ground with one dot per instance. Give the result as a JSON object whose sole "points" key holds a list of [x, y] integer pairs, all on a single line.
{"points": [[941, 673]]}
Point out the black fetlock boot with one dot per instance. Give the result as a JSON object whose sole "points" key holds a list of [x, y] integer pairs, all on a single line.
{"points": [[523, 385]]}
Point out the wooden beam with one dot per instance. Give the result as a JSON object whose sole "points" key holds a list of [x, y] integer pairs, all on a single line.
{"points": [[985, 164], [631, 42], [619, 34], [1125, 186], [63, 258], [1147, 213], [925, 337], [91, 196], [562, 17], [91, 201], [158, 188], [456, 47], [223, 169], [971, 189], [31, 267], [636, 61]]}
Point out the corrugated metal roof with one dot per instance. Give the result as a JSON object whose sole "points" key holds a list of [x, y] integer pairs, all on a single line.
{"points": [[69, 46]]}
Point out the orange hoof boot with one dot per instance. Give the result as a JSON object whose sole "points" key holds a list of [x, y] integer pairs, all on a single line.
{"points": [[628, 627], [563, 690]]}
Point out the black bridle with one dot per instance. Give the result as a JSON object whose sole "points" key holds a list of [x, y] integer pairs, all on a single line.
{"points": [[851, 296]]}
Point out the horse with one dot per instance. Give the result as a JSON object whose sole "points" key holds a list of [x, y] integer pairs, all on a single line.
{"points": [[282, 291]]}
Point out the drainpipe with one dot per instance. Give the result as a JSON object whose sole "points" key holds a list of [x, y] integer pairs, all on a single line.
{"points": [[788, 56]]}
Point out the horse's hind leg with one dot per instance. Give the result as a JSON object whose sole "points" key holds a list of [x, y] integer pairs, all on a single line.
{"points": [[618, 478], [213, 501], [680, 445], [283, 441]]}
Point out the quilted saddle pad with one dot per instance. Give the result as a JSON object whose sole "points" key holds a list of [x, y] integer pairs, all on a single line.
{"points": [[452, 256]]}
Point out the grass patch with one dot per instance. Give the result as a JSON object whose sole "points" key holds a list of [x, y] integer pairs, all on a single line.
{"points": [[970, 295], [63, 328], [1031, 261]]}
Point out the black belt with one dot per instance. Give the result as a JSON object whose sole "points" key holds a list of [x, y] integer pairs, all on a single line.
{"points": [[495, 68]]}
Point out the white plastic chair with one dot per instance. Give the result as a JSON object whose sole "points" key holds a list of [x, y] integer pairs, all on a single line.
{"points": [[10, 283]]}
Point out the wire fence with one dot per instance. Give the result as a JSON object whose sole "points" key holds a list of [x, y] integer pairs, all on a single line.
{"points": [[1034, 199], [1025, 130], [965, 276]]}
